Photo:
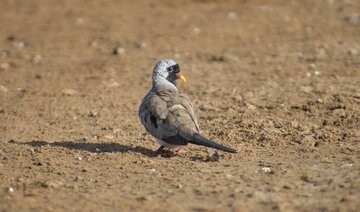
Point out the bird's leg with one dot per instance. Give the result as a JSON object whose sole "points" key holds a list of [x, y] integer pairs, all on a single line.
{"points": [[158, 151]]}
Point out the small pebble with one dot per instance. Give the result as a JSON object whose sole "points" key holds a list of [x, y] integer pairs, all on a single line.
{"points": [[19, 44], [4, 54], [93, 113], [94, 44], [69, 92], [78, 158], [119, 51], [321, 53], [37, 59], [232, 16], [115, 131], [308, 74], [318, 100], [4, 66], [79, 21], [266, 169], [3, 89], [228, 176], [212, 156], [114, 85], [353, 18], [316, 73], [22, 90], [10, 189], [312, 66], [250, 106], [143, 45], [109, 137], [352, 52], [307, 89], [196, 30]]}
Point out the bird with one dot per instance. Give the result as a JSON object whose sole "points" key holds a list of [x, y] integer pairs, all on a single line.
{"points": [[168, 115]]}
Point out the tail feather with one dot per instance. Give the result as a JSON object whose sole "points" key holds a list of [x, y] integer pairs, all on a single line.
{"points": [[200, 140]]}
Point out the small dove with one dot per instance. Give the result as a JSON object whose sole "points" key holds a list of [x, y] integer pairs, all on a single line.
{"points": [[168, 115]]}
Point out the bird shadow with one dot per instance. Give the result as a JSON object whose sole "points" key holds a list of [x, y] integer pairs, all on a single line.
{"points": [[95, 147]]}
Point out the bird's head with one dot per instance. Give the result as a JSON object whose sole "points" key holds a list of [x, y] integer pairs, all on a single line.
{"points": [[169, 70]]}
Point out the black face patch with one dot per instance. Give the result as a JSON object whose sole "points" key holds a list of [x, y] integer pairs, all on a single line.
{"points": [[174, 69]]}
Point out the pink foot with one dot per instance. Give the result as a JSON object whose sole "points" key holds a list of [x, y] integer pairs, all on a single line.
{"points": [[180, 150]]}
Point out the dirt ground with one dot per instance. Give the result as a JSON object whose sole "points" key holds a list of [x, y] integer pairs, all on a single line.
{"points": [[277, 80]]}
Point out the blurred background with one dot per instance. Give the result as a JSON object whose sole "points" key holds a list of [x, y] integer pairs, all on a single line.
{"points": [[279, 80]]}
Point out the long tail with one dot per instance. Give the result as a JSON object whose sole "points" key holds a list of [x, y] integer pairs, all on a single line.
{"points": [[201, 140]]}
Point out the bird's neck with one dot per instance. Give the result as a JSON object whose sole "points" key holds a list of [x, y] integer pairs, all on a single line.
{"points": [[160, 83]]}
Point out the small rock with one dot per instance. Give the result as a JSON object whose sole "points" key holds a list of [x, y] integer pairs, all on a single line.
{"points": [[307, 89], [228, 176], [232, 16], [4, 53], [21, 90], [295, 124], [19, 44], [37, 59], [212, 156], [143, 45], [11, 141], [308, 140], [69, 92], [4, 66], [3, 89], [353, 18], [308, 74], [321, 53], [109, 137], [339, 112], [352, 52], [10, 189], [250, 106], [152, 170], [330, 2], [312, 66], [317, 73], [113, 84], [52, 184], [318, 100], [347, 165], [266, 169], [79, 21], [20, 180], [117, 130], [179, 185], [78, 158], [93, 113], [94, 44], [119, 51], [196, 30]]}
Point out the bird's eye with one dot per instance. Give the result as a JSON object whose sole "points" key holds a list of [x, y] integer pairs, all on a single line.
{"points": [[170, 69]]}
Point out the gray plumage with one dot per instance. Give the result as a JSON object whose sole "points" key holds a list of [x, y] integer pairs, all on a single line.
{"points": [[169, 115]]}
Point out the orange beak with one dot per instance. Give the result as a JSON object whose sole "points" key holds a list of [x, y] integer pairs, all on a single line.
{"points": [[181, 77]]}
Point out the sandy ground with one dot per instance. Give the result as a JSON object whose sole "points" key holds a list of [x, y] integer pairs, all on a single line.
{"points": [[277, 80]]}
